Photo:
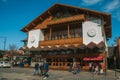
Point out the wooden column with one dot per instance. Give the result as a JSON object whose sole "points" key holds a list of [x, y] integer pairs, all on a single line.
{"points": [[68, 30], [50, 33]]}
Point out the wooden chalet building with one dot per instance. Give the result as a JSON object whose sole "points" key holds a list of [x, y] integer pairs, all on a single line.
{"points": [[63, 34]]}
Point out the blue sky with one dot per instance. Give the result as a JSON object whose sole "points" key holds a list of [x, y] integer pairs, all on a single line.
{"points": [[15, 14]]}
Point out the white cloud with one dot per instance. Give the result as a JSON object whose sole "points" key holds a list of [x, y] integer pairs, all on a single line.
{"points": [[117, 16], [90, 2], [115, 4]]}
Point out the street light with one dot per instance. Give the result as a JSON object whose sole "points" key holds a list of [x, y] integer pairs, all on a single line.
{"points": [[115, 64], [105, 61]]}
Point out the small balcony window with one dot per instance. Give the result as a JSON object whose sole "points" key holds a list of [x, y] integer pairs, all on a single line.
{"points": [[48, 38], [53, 37], [80, 34], [59, 36], [65, 36], [72, 35]]}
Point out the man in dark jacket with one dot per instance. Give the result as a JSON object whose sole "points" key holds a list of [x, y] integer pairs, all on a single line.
{"points": [[45, 70], [36, 68]]}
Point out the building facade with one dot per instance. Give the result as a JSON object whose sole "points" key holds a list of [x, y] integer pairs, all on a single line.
{"points": [[65, 34], [117, 53]]}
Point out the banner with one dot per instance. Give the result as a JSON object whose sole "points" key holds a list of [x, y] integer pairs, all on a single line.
{"points": [[34, 36], [92, 32]]}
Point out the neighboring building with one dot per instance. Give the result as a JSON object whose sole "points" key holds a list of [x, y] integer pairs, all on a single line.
{"points": [[111, 54], [64, 34], [1, 53], [118, 53]]}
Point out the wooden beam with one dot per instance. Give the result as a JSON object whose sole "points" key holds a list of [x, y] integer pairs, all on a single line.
{"points": [[50, 32], [49, 13], [33, 24], [41, 18], [26, 29], [68, 31]]}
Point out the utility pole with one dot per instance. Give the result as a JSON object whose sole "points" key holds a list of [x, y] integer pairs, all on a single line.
{"points": [[4, 42]]}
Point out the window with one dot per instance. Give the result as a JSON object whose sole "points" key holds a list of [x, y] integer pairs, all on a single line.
{"points": [[65, 36], [72, 35], [80, 34], [48, 38], [59, 36], [53, 37]]}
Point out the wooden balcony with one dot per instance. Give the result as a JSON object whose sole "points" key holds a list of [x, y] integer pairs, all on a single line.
{"points": [[61, 42], [67, 19]]}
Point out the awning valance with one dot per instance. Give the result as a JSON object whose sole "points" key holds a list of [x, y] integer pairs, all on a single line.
{"points": [[93, 58]]}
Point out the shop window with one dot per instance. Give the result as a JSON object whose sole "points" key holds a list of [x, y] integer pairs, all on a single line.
{"points": [[49, 60], [53, 64], [49, 64], [70, 60], [60, 64], [68, 64], [62, 60], [56, 64], [63, 64], [55, 60]]}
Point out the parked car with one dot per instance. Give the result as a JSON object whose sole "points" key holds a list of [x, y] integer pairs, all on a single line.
{"points": [[5, 64]]}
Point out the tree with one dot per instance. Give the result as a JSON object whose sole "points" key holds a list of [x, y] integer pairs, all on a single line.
{"points": [[13, 47]]}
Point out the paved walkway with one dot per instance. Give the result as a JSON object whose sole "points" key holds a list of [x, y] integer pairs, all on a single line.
{"points": [[65, 75], [27, 74]]}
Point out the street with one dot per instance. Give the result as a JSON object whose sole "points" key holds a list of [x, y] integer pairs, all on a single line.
{"points": [[27, 74]]}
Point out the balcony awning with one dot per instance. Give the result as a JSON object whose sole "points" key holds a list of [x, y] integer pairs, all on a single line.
{"points": [[93, 58]]}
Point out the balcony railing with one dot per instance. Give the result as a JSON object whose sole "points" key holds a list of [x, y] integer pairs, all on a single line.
{"points": [[61, 42]]}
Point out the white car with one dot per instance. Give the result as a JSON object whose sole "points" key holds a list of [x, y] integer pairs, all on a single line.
{"points": [[5, 64]]}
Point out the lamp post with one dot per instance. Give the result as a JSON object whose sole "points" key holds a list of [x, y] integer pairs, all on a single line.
{"points": [[115, 64], [114, 52], [105, 59]]}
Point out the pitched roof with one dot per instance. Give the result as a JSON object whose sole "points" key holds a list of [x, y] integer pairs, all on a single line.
{"points": [[56, 7]]}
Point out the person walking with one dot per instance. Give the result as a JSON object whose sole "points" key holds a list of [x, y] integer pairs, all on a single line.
{"points": [[70, 67], [75, 68], [45, 70], [36, 68], [90, 67], [41, 69]]}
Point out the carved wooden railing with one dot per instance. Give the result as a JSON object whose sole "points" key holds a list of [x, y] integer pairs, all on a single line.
{"points": [[61, 42]]}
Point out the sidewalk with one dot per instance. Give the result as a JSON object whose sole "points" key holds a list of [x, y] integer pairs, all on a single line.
{"points": [[65, 75]]}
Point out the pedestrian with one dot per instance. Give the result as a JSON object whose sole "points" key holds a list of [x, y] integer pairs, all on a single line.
{"points": [[75, 68], [96, 69], [102, 68], [79, 66], [36, 68], [41, 69], [45, 69], [90, 66], [70, 67]]}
